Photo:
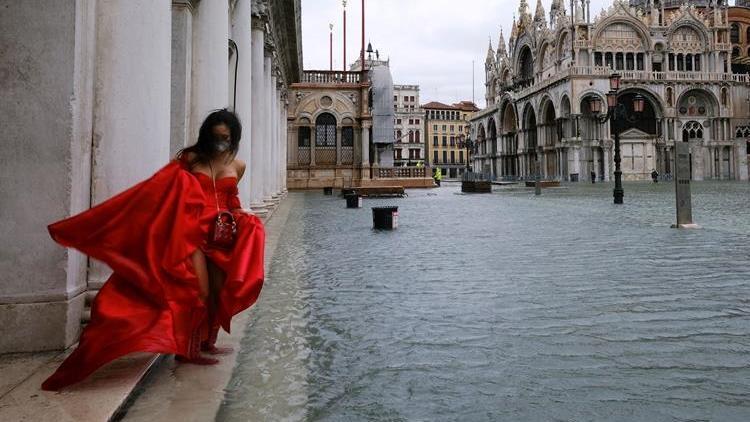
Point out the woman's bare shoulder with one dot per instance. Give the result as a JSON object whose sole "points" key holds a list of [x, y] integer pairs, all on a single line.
{"points": [[239, 166]]}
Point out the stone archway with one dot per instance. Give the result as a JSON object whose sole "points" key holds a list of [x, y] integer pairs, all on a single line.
{"points": [[509, 142], [530, 142], [548, 135], [491, 148]]}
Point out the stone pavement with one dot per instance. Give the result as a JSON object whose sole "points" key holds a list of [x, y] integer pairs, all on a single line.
{"points": [[161, 389]]}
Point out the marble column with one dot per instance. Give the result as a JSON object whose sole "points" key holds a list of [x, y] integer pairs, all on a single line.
{"points": [[273, 173], [210, 90], [267, 132], [258, 112], [365, 151], [607, 160], [181, 68], [285, 146], [242, 36], [131, 126]]}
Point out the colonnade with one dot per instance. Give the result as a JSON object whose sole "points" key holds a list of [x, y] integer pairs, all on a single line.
{"points": [[124, 85]]}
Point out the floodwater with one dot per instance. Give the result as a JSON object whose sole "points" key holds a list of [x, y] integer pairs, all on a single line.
{"points": [[504, 307]]}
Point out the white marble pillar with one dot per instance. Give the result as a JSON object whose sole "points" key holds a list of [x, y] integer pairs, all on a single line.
{"points": [[741, 160], [365, 145], [242, 36], [267, 123], [210, 62], [285, 147], [258, 113], [577, 163], [131, 126], [274, 168], [607, 160], [182, 65]]}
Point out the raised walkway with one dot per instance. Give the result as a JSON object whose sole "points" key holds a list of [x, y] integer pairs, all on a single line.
{"points": [[111, 391]]}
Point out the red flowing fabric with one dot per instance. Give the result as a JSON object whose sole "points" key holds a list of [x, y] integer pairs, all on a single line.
{"points": [[147, 235]]}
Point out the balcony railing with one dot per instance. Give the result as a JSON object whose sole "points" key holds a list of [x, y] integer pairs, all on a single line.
{"points": [[637, 75], [330, 77], [401, 172]]}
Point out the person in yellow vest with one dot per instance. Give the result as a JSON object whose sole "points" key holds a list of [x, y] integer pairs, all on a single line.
{"points": [[438, 176], [420, 164]]}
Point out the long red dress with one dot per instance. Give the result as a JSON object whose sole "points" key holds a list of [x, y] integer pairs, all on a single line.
{"points": [[147, 235]]}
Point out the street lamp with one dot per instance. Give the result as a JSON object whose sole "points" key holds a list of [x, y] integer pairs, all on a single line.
{"points": [[617, 113], [466, 142]]}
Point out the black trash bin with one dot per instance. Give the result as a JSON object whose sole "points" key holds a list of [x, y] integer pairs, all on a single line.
{"points": [[328, 191], [353, 200], [385, 218]]}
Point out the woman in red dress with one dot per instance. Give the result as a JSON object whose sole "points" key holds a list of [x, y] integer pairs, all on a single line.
{"points": [[171, 288]]}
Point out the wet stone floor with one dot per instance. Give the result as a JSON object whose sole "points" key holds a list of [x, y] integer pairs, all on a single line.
{"points": [[504, 306]]}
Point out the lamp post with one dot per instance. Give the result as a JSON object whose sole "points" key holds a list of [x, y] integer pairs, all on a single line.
{"points": [[466, 142], [617, 113]]}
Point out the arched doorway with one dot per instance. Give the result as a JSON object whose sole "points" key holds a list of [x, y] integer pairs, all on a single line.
{"points": [[509, 150], [638, 135], [529, 131], [707, 132], [549, 138], [478, 161], [593, 157], [491, 145]]}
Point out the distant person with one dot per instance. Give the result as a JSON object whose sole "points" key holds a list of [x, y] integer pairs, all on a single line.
{"points": [[655, 176], [593, 177], [438, 176]]}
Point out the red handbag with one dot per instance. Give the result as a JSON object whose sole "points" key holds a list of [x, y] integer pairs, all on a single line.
{"points": [[224, 230]]}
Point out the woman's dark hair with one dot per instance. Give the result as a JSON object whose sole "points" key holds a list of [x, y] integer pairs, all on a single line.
{"points": [[205, 149]]}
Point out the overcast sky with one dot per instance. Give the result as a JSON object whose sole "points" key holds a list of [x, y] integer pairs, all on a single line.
{"points": [[430, 43]]}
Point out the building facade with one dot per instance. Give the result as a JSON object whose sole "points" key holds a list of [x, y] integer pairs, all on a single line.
{"points": [[97, 96], [409, 147], [541, 88], [341, 130], [446, 128]]}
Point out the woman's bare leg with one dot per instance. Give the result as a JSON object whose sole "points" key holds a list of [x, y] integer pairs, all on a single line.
{"points": [[200, 267], [216, 279]]}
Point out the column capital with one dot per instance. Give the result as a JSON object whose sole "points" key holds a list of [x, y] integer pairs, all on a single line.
{"points": [[188, 4]]}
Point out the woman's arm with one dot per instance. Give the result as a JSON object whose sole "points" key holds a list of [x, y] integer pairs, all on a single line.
{"points": [[240, 168]]}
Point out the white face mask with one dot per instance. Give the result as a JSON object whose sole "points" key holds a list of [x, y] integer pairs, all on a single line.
{"points": [[222, 146]]}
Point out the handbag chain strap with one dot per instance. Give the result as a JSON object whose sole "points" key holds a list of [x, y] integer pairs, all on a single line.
{"points": [[213, 180]]}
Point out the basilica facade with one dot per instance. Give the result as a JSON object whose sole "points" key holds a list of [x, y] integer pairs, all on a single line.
{"points": [[543, 89]]}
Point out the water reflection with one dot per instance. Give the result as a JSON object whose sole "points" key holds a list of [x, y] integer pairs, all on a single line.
{"points": [[505, 307]]}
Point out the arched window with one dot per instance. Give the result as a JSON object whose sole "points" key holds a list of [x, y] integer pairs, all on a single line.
{"points": [[417, 137], [325, 130], [527, 65], [411, 136], [692, 130], [734, 34], [398, 135]]}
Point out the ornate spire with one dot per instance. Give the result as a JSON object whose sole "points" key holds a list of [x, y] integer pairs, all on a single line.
{"points": [[539, 14], [524, 17], [501, 51], [557, 9], [514, 30], [490, 53]]}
